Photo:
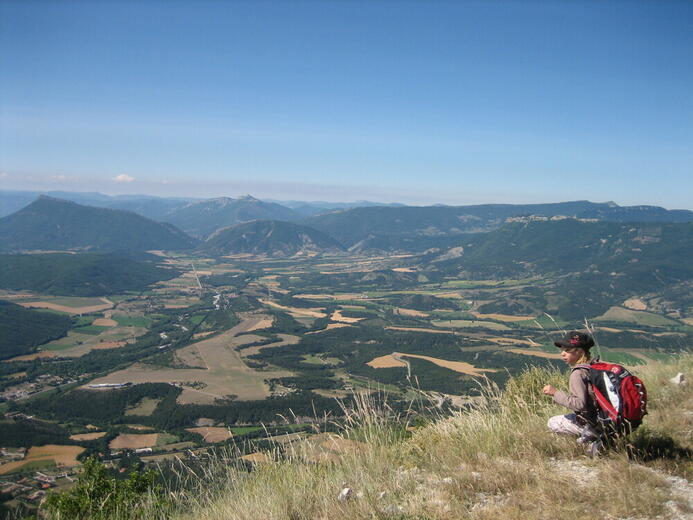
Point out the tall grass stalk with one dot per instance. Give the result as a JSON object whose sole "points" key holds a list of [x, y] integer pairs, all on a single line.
{"points": [[495, 459]]}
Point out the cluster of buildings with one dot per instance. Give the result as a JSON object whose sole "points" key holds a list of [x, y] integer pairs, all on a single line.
{"points": [[22, 390]]}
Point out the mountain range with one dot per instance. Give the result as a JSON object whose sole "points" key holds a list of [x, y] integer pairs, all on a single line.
{"points": [[55, 224]]}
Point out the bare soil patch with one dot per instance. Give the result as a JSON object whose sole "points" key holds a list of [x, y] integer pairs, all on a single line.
{"points": [[387, 361], [635, 304], [31, 357], [133, 441], [536, 353], [101, 345], [297, 311], [337, 316], [212, 434], [457, 366], [87, 436], [403, 270], [199, 335]]}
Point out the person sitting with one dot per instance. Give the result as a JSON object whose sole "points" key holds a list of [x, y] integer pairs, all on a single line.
{"points": [[575, 351]]}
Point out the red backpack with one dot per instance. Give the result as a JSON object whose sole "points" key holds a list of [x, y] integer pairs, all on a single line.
{"points": [[621, 397]]}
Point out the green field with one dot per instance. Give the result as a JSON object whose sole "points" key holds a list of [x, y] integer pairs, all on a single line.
{"points": [[132, 321], [648, 319]]}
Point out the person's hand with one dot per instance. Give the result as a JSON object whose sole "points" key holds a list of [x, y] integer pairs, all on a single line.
{"points": [[549, 390]]}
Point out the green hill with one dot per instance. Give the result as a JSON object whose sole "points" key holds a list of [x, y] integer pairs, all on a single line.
{"points": [[86, 274], [389, 228], [22, 330], [594, 263], [269, 237], [55, 224]]}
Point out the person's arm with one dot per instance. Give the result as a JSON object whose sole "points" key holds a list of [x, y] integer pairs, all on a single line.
{"points": [[578, 397]]}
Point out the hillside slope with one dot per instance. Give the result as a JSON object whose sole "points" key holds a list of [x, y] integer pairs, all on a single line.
{"points": [[78, 274], [493, 460], [55, 224], [201, 218], [269, 237], [386, 227]]}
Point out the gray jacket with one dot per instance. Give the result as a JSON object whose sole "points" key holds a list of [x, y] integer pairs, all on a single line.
{"points": [[580, 397]]}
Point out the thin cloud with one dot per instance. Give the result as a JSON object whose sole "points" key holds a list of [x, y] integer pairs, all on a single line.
{"points": [[123, 178]]}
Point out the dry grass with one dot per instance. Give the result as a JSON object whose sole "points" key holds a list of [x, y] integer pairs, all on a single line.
{"points": [[395, 360], [133, 441], [211, 433], [87, 436], [493, 460]]}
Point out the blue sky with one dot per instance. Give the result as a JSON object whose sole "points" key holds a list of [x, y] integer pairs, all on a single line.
{"points": [[418, 102]]}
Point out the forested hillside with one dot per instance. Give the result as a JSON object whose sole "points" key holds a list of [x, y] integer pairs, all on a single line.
{"points": [[21, 330], [86, 274]]}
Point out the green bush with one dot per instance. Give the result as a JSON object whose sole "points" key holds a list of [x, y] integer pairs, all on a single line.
{"points": [[98, 495]]}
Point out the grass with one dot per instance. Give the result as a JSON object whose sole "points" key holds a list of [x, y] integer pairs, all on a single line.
{"points": [[493, 460], [92, 330], [130, 321]]}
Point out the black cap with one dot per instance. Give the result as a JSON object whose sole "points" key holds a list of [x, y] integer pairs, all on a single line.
{"points": [[575, 339]]}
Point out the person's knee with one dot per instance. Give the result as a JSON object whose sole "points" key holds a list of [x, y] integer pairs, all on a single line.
{"points": [[554, 423]]}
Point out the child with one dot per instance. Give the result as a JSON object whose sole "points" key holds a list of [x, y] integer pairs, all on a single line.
{"points": [[575, 350]]}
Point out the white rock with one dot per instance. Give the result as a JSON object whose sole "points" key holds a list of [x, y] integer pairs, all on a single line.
{"points": [[679, 379], [345, 494]]}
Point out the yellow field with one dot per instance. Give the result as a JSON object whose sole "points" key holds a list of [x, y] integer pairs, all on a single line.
{"points": [[87, 436], [286, 339], [387, 361], [61, 455], [330, 327], [411, 312], [536, 353], [212, 434], [297, 311], [257, 458], [225, 374], [503, 317], [635, 304], [512, 341], [337, 316], [31, 357], [133, 441], [457, 366]]}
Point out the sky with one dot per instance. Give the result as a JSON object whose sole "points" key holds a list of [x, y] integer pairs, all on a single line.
{"points": [[419, 102]]}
